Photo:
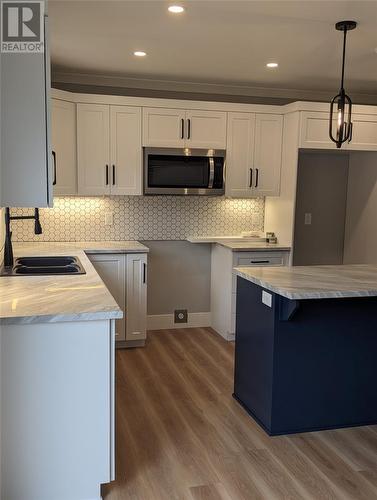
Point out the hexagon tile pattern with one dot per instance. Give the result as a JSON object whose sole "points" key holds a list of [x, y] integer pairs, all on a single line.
{"points": [[142, 218]]}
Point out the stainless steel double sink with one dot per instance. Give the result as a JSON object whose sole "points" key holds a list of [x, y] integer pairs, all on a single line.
{"points": [[45, 265]]}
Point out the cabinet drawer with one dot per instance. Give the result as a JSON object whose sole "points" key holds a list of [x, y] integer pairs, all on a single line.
{"points": [[256, 259], [260, 261]]}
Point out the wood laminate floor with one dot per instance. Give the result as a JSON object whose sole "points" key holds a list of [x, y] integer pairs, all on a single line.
{"points": [[180, 434]]}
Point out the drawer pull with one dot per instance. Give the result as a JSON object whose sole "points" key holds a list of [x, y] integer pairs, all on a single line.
{"points": [[259, 262]]}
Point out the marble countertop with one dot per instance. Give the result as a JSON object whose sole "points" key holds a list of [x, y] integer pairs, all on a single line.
{"points": [[241, 244], [52, 299], [315, 282]]}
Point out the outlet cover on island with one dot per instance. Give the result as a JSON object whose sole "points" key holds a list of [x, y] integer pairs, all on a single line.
{"points": [[109, 218]]}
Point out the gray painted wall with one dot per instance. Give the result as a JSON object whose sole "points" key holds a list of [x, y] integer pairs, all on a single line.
{"points": [[179, 276], [360, 245], [322, 191]]}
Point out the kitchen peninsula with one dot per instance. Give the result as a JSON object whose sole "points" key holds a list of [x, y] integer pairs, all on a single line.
{"points": [[57, 346], [306, 346]]}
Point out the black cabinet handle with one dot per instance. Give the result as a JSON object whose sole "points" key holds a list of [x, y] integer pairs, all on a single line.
{"points": [[107, 175], [257, 179], [144, 272], [189, 129], [54, 157], [182, 128], [251, 178], [113, 175], [259, 262]]}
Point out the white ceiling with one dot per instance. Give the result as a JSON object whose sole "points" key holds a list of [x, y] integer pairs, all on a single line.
{"points": [[218, 42]]}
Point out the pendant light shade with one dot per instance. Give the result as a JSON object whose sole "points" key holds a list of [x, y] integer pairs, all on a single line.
{"points": [[340, 129]]}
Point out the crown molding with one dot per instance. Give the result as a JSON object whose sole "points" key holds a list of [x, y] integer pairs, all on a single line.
{"points": [[120, 85]]}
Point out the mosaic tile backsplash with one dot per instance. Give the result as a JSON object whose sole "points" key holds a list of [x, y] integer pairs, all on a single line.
{"points": [[142, 218]]}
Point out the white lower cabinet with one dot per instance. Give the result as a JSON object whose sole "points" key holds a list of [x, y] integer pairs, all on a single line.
{"points": [[126, 278], [224, 283]]}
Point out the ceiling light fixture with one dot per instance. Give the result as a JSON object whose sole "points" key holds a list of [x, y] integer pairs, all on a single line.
{"points": [[272, 65], [176, 9], [343, 111], [140, 53]]}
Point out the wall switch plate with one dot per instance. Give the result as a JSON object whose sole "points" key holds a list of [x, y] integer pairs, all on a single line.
{"points": [[180, 316], [109, 218], [308, 219]]}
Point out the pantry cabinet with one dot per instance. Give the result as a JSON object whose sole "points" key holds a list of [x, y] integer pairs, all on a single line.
{"points": [[109, 149], [253, 154], [63, 139], [176, 128], [125, 275], [314, 132]]}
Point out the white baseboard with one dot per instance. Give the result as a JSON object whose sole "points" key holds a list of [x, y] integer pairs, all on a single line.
{"points": [[166, 321]]}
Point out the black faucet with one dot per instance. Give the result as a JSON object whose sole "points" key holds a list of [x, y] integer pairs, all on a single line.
{"points": [[8, 250]]}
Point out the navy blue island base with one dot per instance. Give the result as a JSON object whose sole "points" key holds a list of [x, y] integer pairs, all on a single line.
{"points": [[305, 365]]}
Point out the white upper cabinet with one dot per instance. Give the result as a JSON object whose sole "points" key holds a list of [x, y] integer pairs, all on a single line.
{"points": [[315, 132], [109, 150], [253, 155], [267, 154], [364, 134], [163, 127], [205, 129], [125, 150], [176, 128], [240, 155], [93, 149], [26, 160], [63, 139]]}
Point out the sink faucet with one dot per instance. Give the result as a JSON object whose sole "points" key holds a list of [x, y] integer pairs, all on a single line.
{"points": [[8, 250]]}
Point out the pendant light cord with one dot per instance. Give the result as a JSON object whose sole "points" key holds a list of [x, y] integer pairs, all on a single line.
{"points": [[344, 57]]}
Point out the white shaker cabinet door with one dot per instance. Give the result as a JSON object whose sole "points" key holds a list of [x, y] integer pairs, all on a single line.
{"points": [[267, 154], [205, 129], [136, 303], [163, 127], [126, 150], [240, 173], [93, 149], [112, 270], [63, 137]]}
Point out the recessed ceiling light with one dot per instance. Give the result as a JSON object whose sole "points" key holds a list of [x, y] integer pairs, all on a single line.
{"points": [[272, 65], [176, 9], [140, 53]]}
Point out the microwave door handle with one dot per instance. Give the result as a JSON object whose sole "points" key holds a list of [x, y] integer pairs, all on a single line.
{"points": [[211, 172]]}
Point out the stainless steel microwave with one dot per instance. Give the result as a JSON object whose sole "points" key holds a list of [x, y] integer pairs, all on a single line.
{"points": [[184, 171]]}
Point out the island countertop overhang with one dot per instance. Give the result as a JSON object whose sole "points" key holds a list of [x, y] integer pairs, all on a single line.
{"points": [[314, 282]]}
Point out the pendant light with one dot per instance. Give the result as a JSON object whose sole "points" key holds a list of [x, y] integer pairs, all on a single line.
{"points": [[341, 105]]}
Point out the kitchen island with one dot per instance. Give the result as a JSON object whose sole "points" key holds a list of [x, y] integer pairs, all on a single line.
{"points": [[306, 346]]}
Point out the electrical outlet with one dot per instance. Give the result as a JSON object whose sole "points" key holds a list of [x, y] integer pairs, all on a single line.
{"points": [[180, 316], [308, 219], [109, 218]]}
